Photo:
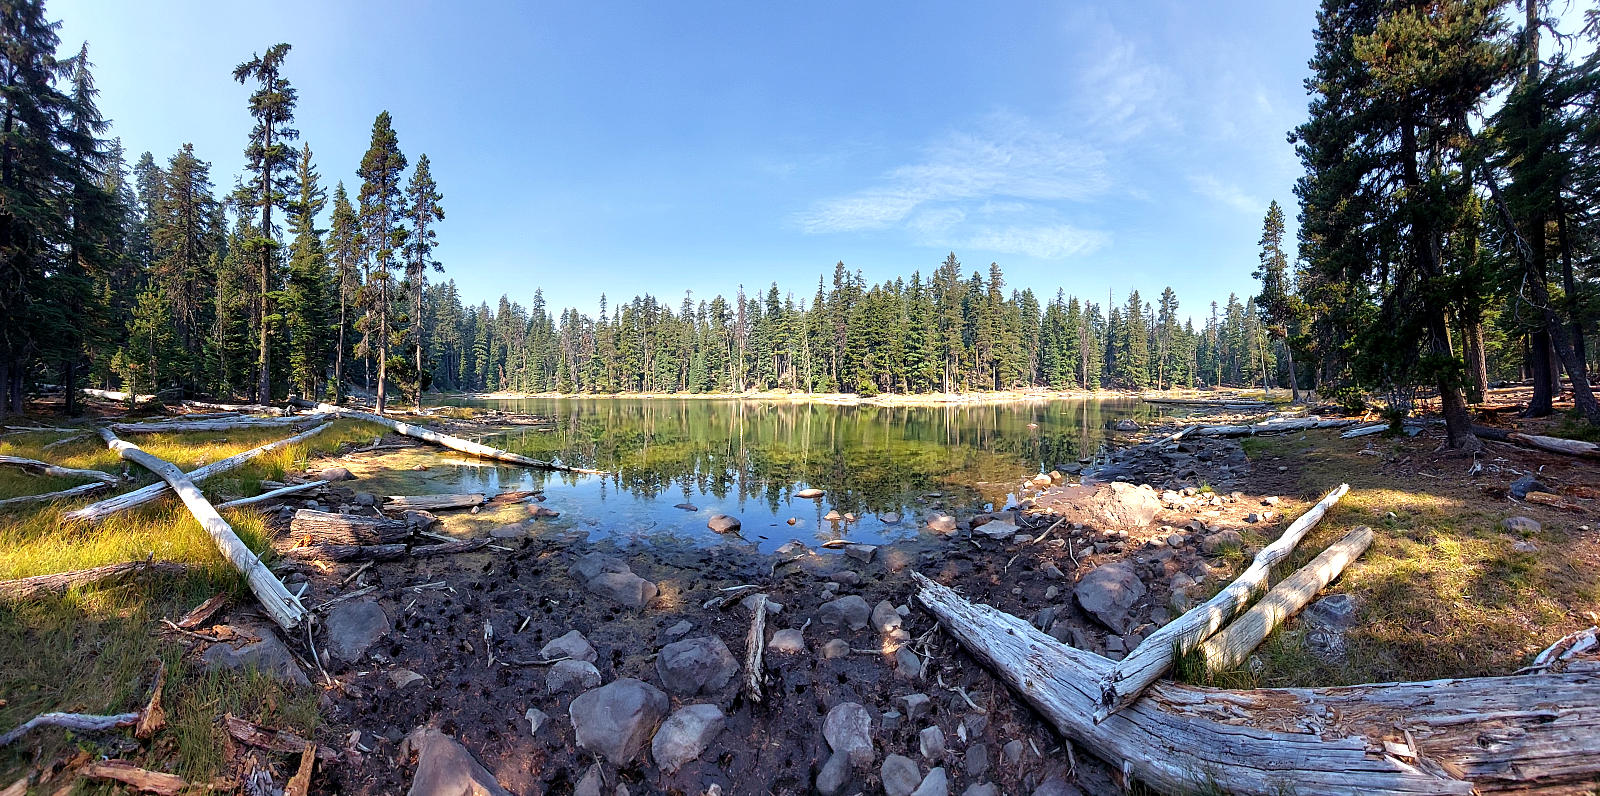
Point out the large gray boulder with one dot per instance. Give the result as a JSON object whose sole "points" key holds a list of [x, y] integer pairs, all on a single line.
{"points": [[617, 719], [723, 523], [268, 656], [1109, 593], [352, 628], [1108, 506], [685, 735], [700, 665], [446, 768], [611, 577]]}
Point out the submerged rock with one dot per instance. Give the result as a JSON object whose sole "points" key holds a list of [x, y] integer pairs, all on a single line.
{"points": [[723, 523]]}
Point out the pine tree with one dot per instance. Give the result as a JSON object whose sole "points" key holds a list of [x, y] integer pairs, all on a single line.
{"points": [[344, 245], [269, 159], [423, 211], [384, 235], [306, 303], [1277, 302]]}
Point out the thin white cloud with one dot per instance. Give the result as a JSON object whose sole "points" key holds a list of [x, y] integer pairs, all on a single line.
{"points": [[1227, 193], [1052, 242]]}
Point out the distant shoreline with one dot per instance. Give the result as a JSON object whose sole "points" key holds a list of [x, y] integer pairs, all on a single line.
{"points": [[887, 399]]}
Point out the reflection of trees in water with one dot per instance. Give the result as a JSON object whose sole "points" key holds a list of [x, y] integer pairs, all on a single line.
{"points": [[868, 458]]}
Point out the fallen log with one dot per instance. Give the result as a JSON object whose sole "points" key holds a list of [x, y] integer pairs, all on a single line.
{"points": [[433, 502], [1274, 428], [179, 425], [114, 395], [322, 527], [1244, 402], [755, 642], [1553, 501], [1156, 654], [65, 494], [445, 440], [514, 496], [63, 441], [139, 779], [254, 409], [346, 553], [45, 468], [96, 512], [273, 494], [81, 722], [276, 600], [1568, 447], [1228, 648], [1472, 735], [22, 588]]}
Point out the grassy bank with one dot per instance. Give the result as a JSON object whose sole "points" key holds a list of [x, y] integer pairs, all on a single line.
{"points": [[95, 649]]}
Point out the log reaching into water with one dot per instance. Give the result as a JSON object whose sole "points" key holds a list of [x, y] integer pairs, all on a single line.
{"points": [[1477, 735], [226, 424], [273, 495], [1228, 648], [276, 600], [61, 581], [1274, 428], [322, 527], [433, 502], [382, 552], [65, 494], [453, 443], [1156, 654], [99, 511], [45, 468], [1215, 402]]}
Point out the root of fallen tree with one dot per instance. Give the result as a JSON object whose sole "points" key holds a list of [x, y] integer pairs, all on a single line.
{"points": [[1528, 733]]}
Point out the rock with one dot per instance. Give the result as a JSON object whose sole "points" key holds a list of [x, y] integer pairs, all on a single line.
{"points": [[788, 642], [907, 664], [677, 630], [1050, 569], [860, 552], [981, 789], [1056, 786], [1522, 486], [1126, 424], [687, 507], [617, 719], [850, 610], [889, 518], [1109, 506], [1521, 525], [809, 492], [937, 783], [931, 742], [570, 675], [365, 499], [268, 656], [593, 565], [848, 730], [884, 617], [1270, 500], [890, 721], [1176, 540], [833, 515], [836, 648], [1011, 752], [538, 512], [1108, 593], [1040, 481], [353, 627], [570, 645], [942, 523], [700, 665], [722, 523], [999, 529], [403, 677], [917, 706], [1333, 612], [508, 532], [977, 763], [1217, 543], [1525, 546], [685, 735], [624, 587], [834, 774], [847, 577], [335, 474], [590, 784], [900, 775], [446, 768], [536, 719]]}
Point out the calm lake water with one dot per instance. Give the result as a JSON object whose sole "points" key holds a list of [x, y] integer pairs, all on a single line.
{"points": [[748, 459]]}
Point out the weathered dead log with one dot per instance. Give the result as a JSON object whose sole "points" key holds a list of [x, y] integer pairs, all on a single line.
{"points": [[202, 612], [22, 588], [114, 395], [45, 468], [154, 717], [1157, 653], [1567, 447], [1553, 501], [1233, 644], [453, 443], [71, 438], [1522, 733], [139, 779], [347, 553], [96, 512], [181, 425], [276, 600], [81, 722], [433, 502], [513, 496], [322, 527], [1274, 428], [1564, 649], [273, 494], [300, 783], [65, 494], [755, 642], [254, 409], [1249, 403]]}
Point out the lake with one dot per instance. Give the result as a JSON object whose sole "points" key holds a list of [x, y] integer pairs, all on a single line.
{"points": [[672, 463]]}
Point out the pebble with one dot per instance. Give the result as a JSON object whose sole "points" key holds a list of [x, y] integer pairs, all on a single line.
{"points": [[848, 730], [788, 641], [977, 760], [1011, 752], [907, 664], [931, 742], [536, 719], [836, 648], [935, 784], [684, 736], [917, 706], [900, 775]]}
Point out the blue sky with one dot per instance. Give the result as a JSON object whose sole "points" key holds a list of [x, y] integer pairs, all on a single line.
{"points": [[656, 147]]}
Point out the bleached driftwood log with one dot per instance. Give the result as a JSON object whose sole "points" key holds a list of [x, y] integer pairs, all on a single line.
{"points": [[254, 409], [1461, 736], [1250, 403], [225, 424], [322, 527], [45, 468], [273, 494], [114, 395], [1569, 447], [65, 494], [445, 440], [382, 552], [1157, 653], [61, 581], [1233, 644], [96, 512], [139, 779], [1274, 428], [82, 722], [276, 600], [434, 502], [755, 643]]}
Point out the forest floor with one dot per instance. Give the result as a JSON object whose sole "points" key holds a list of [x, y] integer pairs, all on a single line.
{"points": [[1446, 590]]}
